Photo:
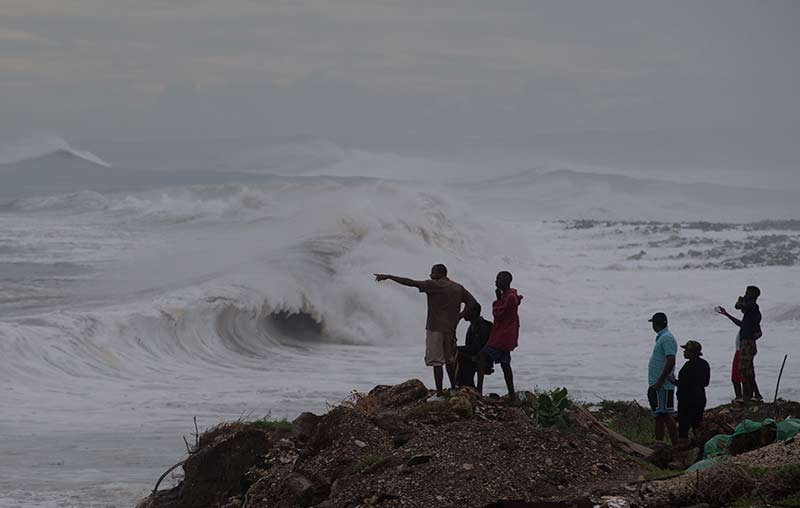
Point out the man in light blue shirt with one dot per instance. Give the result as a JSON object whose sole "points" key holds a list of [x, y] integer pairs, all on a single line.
{"points": [[661, 393]]}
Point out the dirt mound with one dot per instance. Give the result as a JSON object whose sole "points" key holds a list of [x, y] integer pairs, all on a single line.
{"points": [[764, 476], [393, 448]]}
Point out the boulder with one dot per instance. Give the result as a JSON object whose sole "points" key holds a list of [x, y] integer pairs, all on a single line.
{"points": [[402, 394], [461, 405], [214, 473], [307, 492], [419, 459], [304, 426]]}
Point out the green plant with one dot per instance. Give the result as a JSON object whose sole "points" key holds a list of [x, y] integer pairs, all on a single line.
{"points": [[550, 408], [271, 425], [627, 418]]}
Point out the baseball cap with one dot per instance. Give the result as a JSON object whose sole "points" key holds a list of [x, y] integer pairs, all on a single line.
{"points": [[693, 345], [658, 317]]}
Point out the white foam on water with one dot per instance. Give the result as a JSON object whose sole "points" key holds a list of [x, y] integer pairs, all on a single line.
{"points": [[128, 313]]}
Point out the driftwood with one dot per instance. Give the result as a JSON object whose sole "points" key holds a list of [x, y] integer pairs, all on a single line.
{"points": [[586, 419], [168, 471]]}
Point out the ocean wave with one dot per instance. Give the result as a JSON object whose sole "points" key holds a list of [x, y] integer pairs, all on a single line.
{"points": [[35, 147], [76, 202], [241, 292]]}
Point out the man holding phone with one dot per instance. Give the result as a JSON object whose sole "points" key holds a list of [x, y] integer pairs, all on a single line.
{"points": [[749, 332]]}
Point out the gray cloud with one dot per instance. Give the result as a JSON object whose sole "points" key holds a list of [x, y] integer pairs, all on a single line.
{"points": [[365, 68]]}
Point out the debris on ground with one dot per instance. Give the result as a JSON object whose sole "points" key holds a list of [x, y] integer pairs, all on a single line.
{"points": [[392, 447]]}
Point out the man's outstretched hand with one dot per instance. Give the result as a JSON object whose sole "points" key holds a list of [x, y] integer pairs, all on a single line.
{"points": [[381, 276]]}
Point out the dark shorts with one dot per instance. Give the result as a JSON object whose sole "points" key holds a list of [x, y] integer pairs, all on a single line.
{"points": [[662, 402], [497, 355]]}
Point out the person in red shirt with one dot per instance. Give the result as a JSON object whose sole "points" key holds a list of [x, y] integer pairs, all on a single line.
{"points": [[505, 333]]}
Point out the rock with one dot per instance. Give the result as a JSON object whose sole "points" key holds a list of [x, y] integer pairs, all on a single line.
{"points": [[304, 426], [306, 492], [514, 414], [234, 502], [284, 444], [401, 439], [360, 444], [390, 423], [662, 455], [614, 502], [214, 473], [419, 459], [297, 483], [461, 405], [402, 394], [434, 413]]}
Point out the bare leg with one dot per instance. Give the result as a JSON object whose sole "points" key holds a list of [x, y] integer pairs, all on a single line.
{"points": [[659, 428], [451, 374], [756, 392], [672, 429], [509, 375], [481, 372], [737, 389], [747, 388], [458, 366], [667, 421], [438, 375]]}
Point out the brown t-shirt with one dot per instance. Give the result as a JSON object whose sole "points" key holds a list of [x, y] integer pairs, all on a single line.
{"points": [[444, 304]]}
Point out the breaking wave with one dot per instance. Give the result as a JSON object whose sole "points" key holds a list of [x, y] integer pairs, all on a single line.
{"points": [[42, 146], [273, 268]]}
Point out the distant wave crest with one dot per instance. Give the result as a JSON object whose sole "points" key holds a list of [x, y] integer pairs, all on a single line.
{"points": [[35, 147]]}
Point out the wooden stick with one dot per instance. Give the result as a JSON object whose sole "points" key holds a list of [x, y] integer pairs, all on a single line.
{"points": [[168, 471], [629, 446], [779, 379]]}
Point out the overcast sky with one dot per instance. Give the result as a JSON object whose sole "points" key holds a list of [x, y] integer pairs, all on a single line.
{"points": [[466, 68]]}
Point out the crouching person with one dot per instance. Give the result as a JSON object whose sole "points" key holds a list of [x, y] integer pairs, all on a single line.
{"points": [[467, 355]]}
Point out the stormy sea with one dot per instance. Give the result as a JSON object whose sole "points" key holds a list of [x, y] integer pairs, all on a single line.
{"points": [[138, 293]]}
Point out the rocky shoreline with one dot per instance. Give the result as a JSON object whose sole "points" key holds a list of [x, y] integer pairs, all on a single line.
{"points": [[393, 448]]}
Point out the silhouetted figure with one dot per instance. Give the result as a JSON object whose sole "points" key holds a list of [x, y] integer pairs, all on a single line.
{"points": [[692, 380], [661, 393], [749, 332], [505, 333], [444, 312], [476, 338]]}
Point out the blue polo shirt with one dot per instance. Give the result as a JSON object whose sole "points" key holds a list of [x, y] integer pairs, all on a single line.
{"points": [[665, 346]]}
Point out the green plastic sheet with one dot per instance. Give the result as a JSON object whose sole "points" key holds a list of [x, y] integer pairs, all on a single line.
{"points": [[718, 445]]}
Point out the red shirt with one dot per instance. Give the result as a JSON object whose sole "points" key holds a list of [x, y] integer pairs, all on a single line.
{"points": [[505, 330]]}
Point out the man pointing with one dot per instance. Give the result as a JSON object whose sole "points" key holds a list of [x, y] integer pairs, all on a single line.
{"points": [[445, 298]]}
